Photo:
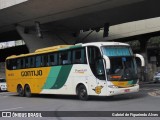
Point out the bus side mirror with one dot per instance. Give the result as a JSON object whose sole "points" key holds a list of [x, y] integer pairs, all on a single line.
{"points": [[107, 61], [141, 58]]}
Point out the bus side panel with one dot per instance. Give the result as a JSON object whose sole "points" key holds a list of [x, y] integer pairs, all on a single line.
{"points": [[35, 78], [82, 74], [57, 81], [54, 80], [77, 74]]}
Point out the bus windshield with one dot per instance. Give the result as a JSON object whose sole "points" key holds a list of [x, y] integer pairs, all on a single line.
{"points": [[122, 62]]}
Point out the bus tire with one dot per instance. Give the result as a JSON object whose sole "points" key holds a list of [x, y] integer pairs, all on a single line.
{"points": [[27, 91], [20, 91], [82, 92]]}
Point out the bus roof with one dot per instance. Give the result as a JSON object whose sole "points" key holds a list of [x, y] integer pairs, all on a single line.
{"points": [[65, 47], [105, 44]]}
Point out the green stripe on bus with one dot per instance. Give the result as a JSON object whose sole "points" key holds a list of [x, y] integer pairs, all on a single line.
{"points": [[62, 77], [132, 82], [71, 47], [52, 77], [75, 46]]}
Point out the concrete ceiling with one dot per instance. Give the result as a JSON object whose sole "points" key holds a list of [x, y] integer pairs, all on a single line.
{"points": [[77, 14], [63, 12]]}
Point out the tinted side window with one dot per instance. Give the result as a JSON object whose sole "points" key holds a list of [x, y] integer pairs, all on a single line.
{"points": [[44, 60], [53, 59], [31, 62], [38, 61], [96, 64], [26, 63], [79, 56], [14, 64], [9, 64], [65, 58], [18, 63], [93, 54], [22, 63]]}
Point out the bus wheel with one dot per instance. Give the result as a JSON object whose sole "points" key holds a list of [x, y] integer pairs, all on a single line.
{"points": [[27, 91], [20, 90], [82, 92]]}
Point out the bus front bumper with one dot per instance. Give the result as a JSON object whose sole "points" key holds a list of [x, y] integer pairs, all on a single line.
{"points": [[118, 91]]}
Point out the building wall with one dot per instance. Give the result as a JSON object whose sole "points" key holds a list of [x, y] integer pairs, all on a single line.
{"points": [[9, 3]]}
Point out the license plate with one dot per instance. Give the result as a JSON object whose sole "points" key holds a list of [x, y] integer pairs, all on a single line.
{"points": [[126, 90]]}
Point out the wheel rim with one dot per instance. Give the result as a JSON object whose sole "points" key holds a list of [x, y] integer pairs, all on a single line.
{"points": [[82, 93], [27, 91], [20, 91]]}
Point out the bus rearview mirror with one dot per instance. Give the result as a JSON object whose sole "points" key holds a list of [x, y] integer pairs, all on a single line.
{"points": [[141, 58]]}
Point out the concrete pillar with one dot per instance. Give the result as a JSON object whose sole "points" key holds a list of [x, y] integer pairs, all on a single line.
{"points": [[49, 38], [143, 49]]}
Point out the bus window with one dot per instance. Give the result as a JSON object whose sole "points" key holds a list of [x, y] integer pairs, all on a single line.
{"points": [[93, 54], [38, 61], [26, 63], [79, 56], [31, 62], [20, 63], [69, 57], [96, 64], [44, 60], [52, 58], [23, 63], [14, 64], [9, 65], [65, 58], [100, 73]]}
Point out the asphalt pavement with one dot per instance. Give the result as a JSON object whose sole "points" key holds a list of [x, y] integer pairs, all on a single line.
{"points": [[147, 99]]}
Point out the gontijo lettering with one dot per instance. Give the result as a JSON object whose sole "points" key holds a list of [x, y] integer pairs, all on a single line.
{"points": [[31, 73]]}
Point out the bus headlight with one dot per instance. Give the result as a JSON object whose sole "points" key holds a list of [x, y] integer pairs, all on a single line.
{"points": [[112, 86]]}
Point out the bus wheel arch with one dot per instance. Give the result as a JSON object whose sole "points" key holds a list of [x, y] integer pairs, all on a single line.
{"points": [[20, 90], [27, 90], [82, 92]]}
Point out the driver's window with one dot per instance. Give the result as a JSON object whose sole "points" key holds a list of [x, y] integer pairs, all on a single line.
{"points": [[93, 54], [96, 64]]}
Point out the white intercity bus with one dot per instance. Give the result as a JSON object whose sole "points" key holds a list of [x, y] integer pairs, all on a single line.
{"points": [[91, 69]]}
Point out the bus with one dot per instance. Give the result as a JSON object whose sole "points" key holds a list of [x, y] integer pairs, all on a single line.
{"points": [[90, 69]]}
